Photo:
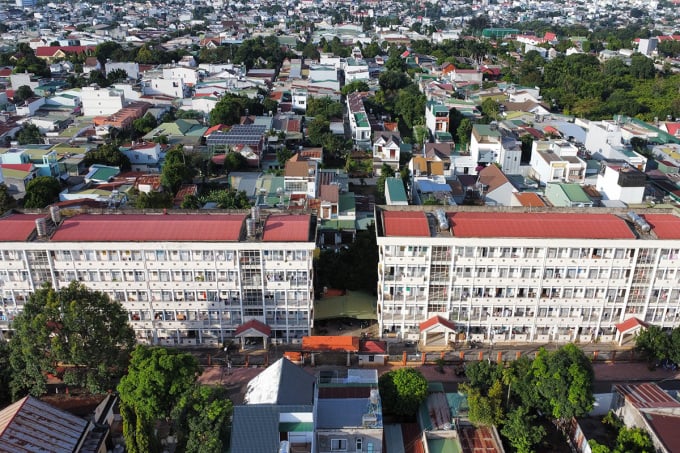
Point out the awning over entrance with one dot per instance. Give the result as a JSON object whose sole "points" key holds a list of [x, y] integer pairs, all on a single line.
{"points": [[434, 328], [253, 328], [339, 343], [629, 326]]}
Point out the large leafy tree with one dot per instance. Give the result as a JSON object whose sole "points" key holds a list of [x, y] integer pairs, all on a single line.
{"points": [[485, 408], [41, 191], [107, 154], [521, 429], [653, 342], [6, 200], [157, 380], [231, 107], [74, 326], [5, 373], [29, 134], [564, 382], [202, 419], [324, 106], [175, 171], [402, 391]]}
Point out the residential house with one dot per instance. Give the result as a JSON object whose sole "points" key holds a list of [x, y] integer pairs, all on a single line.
{"points": [[553, 161], [30, 106], [395, 193], [278, 410], [441, 152], [428, 184], [606, 140], [620, 181], [90, 64], [249, 140], [189, 133], [144, 156], [647, 406], [99, 174], [301, 178], [485, 143], [355, 69], [17, 176], [567, 195], [437, 120], [358, 119], [386, 150], [349, 413], [130, 67], [101, 101], [497, 188], [54, 53]]}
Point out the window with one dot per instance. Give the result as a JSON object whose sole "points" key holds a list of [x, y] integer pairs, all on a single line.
{"points": [[359, 444], [338, 444]]}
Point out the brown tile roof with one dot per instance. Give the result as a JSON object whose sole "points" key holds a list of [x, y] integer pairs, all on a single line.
{"points": [[299, 169], [330, 193], [492, 177]]}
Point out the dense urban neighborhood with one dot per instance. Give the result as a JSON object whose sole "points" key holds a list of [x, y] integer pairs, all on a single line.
{"points": [[320, 227]]}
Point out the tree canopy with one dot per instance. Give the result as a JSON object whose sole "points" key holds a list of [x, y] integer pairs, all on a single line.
{"points": [[658, 344], [41, 191], [175, 171], [157, 380], [201, 419], [29, 134], [6, 200], [402, 391], [107, 154], [82, 329]]}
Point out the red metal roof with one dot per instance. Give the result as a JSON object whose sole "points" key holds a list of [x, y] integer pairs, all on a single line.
{"points": [[255, 325], [17, 227], [539, 225], [20, 167], [287, 228], [342, 343], [405, 223], [436, 320], [666, 428], [630, 324], [646, 396], [665, 226], [373, 347], [141, 227]]}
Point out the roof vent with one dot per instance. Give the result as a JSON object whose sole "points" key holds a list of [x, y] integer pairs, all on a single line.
{"points": [[41, 227]]}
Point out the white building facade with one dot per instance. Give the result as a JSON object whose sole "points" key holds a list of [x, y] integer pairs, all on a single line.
{"points": [[101, 101], [515, 276], [191, 279]]}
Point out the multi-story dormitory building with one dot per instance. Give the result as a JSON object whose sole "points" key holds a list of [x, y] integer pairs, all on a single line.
{"points": [[183, 278], [503, 275]]}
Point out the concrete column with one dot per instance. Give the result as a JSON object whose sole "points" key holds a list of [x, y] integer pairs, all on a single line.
{"points": [[499, 359], [348, 362], [403, 359]]}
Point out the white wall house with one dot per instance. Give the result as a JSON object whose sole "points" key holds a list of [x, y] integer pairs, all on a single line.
{"points": [[166, 87], [620, 181], [557, 161], [101, 101]]}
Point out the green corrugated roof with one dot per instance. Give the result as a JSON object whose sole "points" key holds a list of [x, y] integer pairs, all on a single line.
{"points": [[10, 173], [337, 225], [485, 129], [575, 193], [361, 119], [347, 202], [105, 173], [395, 187]]}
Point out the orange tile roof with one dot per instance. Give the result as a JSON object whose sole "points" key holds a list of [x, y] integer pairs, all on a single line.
{"points": [[529, 199], [341, 343]]}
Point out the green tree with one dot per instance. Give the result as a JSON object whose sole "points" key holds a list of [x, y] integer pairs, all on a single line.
{"points": [[227, 199], [29, 134], [22, 93], [641, 67], [175, 171], [522, 431], [157, 380], [323, 106], [7, 202], [485, 409], [653, 342], [231, 107], [5, 373], [393, 80], [464, 132], [490, 109], [108, 154], [317, 129], [116, 76], [234, 161], [154, 200], [355, 85], [106, 50], [483, 374], [385, 172], [145, 124], [202, 419], [402, 391], [41, 191], [56, 326], [633, 440], [564, 382], [191, 202]]}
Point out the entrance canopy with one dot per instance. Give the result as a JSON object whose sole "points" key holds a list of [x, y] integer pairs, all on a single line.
{"points": [[629, 327], [253, 328], [435, 328]]}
